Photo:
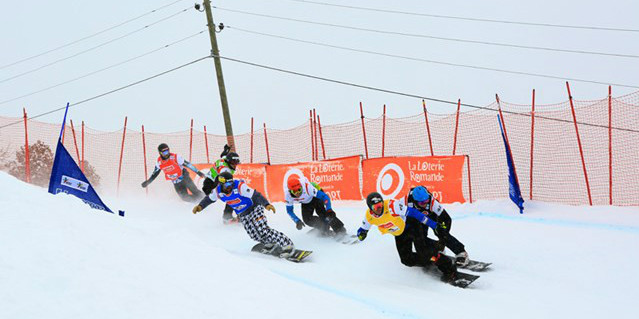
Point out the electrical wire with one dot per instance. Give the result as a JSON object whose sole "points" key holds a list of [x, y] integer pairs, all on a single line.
{"points": [[433, 61], [472, 19], [103, 69], [95, 47], [372, 88], [110, 92], [426, 36], [89, 36]]}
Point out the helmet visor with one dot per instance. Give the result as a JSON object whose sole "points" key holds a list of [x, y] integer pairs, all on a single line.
{"points": [[165, 152], [297, 191], [378, 208]]}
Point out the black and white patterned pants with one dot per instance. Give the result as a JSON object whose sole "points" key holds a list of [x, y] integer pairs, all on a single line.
{"points": [[256, 227]]}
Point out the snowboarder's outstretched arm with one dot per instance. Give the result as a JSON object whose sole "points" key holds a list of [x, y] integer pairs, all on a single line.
{"points": [[205, 202], [290, 211], [155, 174]]}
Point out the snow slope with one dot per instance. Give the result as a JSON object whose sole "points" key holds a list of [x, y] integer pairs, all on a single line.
{"points": [[61, 259]]}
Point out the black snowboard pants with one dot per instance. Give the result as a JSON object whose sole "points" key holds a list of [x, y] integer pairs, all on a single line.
{"points": [[414, 235], [207, 187], [183, 187], [451, 242], [323, 220]]}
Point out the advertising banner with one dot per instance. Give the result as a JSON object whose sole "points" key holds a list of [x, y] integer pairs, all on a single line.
{"points": [[339, 178], [394, 176], [253, 174]]}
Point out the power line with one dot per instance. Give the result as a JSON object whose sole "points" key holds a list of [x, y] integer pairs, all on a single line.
{"points": [[101, 70], [95, 47], [110, 92], [433, 61], [472, 19], [372, 88], [426, 36], [89, 36]]}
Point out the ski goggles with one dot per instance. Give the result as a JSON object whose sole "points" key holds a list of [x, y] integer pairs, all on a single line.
{"points": [[296, 192], [423, 203], [165, 151], [234, 160], [225, 181]]}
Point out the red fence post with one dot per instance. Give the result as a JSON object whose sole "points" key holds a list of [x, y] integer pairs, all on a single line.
{"points": [[310, 126], [319, 124], [75, 141], [610, 143], [82, 161], [456, 126], [146, 175], [206, 145], [470, 185], [532, 142], [268, 156], [251, 140], [315, 135], [503, 125], [361, 112], [383, 129], [430, 140], [27, 155], [191, 142], [581, 151], [121, 155]]}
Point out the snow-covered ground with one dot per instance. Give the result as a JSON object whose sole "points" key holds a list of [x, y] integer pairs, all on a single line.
{"points": [[61, 259]]}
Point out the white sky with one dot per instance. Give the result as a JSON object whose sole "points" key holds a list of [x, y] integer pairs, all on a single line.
{"points": [[167, 103]]}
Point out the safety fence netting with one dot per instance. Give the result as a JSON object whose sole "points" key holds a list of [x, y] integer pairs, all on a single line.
{"points": [[545, 147]]}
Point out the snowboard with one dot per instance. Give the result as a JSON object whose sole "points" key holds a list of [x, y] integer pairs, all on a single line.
{"points": [[344, 238], [474, 265], [297, 255], [462, 279]]}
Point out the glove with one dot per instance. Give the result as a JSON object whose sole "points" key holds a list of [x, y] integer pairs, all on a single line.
{"points": [[442, 232], [197, 209], [270, 207], [361, 234], [200, 174], [299, 224], [145, 184]]}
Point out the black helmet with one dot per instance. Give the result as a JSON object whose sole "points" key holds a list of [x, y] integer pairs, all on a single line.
{"points": [[224, 177], [162, 147], [372, 199], [232, 158]]}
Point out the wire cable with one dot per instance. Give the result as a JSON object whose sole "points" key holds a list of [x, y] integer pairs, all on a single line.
{"points": [[89, 36], [110, 92], [434, 61], [95, 47], [472, 19], [372, 88], [101, 70], [426, 36]]}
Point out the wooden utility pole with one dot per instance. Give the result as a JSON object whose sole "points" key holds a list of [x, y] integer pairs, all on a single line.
{"points": [[220, 78]]}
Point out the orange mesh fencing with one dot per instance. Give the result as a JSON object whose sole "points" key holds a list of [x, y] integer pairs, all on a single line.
{"points": [[557, 174]]}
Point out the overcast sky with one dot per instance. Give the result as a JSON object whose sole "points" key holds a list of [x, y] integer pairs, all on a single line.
{"points": [[167, 103]]}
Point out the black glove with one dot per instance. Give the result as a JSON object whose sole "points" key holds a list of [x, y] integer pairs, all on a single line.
{"points": [[299, 224], [227, 148], [361, 234], [145, 184], [442, 232], [200, 174]]}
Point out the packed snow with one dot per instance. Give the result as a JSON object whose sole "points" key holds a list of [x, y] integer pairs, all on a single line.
{"points": [[62, 259]]}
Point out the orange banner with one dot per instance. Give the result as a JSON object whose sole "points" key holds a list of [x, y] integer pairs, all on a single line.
{"points": [[394, 176], [253, 174], [339, 178]]}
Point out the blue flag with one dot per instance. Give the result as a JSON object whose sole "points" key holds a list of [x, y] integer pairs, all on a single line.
{"points": [[513, 190], [66, 177]]}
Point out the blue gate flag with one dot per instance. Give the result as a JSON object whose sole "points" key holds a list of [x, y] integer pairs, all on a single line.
{"points": [[67, 177], [513, 189]]}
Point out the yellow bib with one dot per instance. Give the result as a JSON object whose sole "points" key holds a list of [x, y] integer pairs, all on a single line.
{"points": [[389, 222]]}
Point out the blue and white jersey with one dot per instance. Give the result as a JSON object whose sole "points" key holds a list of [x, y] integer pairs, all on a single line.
{"points": [[239, 199]]}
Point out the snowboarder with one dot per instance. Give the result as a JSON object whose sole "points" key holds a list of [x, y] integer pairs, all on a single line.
{"points": [[174, 168], [249, 206], [393, 217], [420, 198], [227, 163], [313, 199]]}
